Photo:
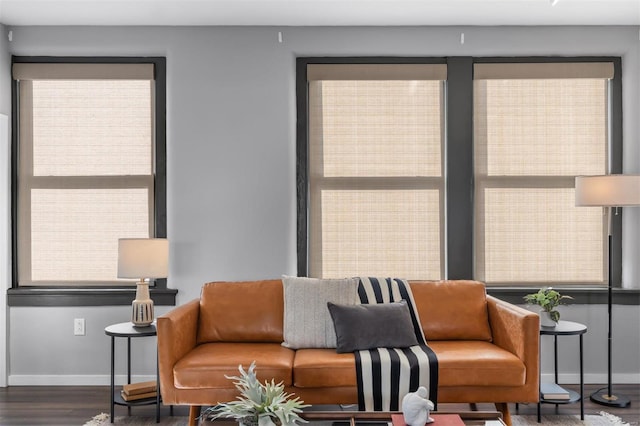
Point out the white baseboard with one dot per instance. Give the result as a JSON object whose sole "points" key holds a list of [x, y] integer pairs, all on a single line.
{"points": [[105, 380], [621, 379], [74, 380]]}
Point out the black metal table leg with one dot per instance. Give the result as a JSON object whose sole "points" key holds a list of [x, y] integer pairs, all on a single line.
{"points": [[128, 331], [555, 362], [129, 369], [564, 328], [113, 370], [581, 382]]}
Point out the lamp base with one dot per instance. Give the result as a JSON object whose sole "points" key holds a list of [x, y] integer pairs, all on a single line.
{"points": [[142, 306], [601, 397]]}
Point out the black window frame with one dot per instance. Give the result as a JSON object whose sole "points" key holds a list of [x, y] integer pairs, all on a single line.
{"points": [[459, 157], [94, 295]]}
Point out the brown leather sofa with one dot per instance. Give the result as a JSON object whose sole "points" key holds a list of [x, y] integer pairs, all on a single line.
{"points": [[487, 349]]}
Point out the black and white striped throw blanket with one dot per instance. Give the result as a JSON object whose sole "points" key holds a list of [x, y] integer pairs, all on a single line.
{"points": [[386, 375]]}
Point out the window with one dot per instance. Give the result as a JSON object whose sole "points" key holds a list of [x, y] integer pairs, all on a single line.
{"points": [[465, 174], [537, 126], [376, 169], [89, 137]]}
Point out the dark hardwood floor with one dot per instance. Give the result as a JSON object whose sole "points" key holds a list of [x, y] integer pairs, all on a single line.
{"points": [[631, 414], [75, 405]]}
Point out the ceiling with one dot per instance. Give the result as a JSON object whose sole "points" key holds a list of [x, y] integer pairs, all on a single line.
{"points": [[320, 12]]}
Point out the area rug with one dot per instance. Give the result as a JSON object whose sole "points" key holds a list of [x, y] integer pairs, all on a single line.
{"points": [[103, 419], [603, 419]]}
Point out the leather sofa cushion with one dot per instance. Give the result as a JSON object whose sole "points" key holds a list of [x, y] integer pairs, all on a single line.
{"points": [[249, 311], [452, 310], [323, 368], [207, 364], [477, 363], [460, 363]]}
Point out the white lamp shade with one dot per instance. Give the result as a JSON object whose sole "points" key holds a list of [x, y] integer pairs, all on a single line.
{"points": [[608, 190], [143, 258]]}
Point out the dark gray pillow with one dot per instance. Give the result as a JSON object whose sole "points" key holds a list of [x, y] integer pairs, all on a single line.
{"points": [[384, 325]]}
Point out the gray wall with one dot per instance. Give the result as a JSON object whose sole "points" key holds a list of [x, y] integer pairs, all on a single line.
{"points": [[231, 167], [5, 82], [5, 110]]}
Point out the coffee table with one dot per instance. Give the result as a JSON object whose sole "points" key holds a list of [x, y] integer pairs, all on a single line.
{"points": [[354, 418], [326, 416]]}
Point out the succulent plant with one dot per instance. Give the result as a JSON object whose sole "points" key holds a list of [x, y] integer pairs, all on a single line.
{"points": [[258, 404]]}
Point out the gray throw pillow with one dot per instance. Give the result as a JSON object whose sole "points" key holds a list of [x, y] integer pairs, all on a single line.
{"points": [[307, 323], [385, 325]]}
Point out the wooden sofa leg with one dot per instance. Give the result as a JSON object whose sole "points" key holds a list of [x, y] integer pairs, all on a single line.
{"points": [[503, 407], [194, 413]]}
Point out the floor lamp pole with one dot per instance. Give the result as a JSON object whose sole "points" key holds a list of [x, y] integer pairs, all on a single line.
{"points": [[608, 191], [609, 399]]}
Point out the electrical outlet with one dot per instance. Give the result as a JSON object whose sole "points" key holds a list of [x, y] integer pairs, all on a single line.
{"points": [[78, 327]]}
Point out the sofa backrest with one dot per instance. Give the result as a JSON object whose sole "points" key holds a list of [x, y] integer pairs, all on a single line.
{"points": [[250, 311], [253, 311], [452, 310]]}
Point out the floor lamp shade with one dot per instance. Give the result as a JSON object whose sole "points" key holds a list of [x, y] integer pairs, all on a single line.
{"points": [[143, 258], [608, 191]]}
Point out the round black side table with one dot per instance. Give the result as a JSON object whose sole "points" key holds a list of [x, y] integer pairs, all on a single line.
{"points": [[128, 331], [565, 328]]}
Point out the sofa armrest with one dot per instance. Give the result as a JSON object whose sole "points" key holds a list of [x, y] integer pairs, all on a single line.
{"points": [[517, 330], [177, 331]]}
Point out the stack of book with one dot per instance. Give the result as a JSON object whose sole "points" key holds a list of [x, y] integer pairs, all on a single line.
{"points": [[553, 391], [136, 391]]}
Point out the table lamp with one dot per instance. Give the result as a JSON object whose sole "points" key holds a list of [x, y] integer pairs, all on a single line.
{"points": [[608, 191], [143, 258]]}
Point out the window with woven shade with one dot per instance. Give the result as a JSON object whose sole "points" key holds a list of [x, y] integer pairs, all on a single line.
{"points": [[86, 168], [375, 170], [537, 126]]}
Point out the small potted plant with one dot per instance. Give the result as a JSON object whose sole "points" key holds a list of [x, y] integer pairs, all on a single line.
{"points": [[548, 299], [258, 404]]}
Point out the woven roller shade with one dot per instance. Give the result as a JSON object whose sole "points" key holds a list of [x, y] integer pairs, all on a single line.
{"points": [[86, 173], [536, 126], [375, 170], [69, 71]]}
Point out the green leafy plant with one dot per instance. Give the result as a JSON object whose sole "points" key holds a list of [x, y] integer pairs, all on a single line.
{"points": [[548, 299], [258, 404]]}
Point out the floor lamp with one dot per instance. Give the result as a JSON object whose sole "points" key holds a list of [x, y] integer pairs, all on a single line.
{"points": [[608, 191]]}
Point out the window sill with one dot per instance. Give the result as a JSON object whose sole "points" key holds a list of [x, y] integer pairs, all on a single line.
{"points": [[581, 296], [85, 296], [48, 296]]}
